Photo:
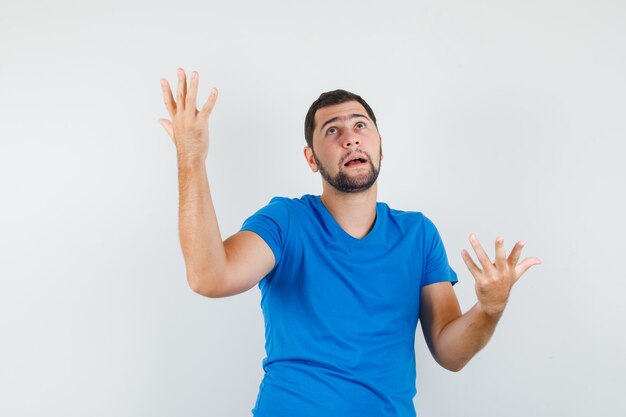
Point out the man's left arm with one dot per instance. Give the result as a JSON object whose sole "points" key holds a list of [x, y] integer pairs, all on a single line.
{"points": [[454, 338]]}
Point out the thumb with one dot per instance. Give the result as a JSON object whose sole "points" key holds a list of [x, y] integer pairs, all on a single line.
{"points": [[167, 125], [525, 265]]}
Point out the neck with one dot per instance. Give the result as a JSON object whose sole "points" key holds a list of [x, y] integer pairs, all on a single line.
{"points": [[354, 212]]}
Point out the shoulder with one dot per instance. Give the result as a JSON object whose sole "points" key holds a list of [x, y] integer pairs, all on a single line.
{"points": [[402, 217], [305, 200], [280, 206], [408, 220], [298, 205]]}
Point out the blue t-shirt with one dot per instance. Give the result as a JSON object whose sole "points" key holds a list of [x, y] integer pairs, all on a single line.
{"points": [[340, 312]]}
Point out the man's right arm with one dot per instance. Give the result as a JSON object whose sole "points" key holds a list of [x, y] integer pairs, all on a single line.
{"points": [[214, 268]]}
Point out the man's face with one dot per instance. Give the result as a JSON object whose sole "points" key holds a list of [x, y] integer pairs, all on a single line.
{"points": [[346, 147]]}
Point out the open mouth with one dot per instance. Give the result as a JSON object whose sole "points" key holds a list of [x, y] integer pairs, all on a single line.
{"points": [[355, 162]]}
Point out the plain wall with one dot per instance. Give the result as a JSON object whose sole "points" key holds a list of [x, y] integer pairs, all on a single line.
{"points": [[497, 117]]}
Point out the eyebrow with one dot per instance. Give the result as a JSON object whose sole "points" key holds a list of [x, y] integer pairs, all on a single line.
{"points": [[334, 119]]}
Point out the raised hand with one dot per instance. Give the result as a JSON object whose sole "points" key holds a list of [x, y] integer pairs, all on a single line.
{"points": [[495, 280], [188, 127]]}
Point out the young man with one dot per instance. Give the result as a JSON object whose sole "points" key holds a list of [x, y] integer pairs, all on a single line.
{"points": [[343, 278]]}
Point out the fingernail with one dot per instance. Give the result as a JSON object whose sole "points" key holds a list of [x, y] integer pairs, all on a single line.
{"points": [[194, 75]]}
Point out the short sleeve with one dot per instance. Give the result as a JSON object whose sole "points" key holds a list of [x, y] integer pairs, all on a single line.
{"points": [[271, 224], [436, 267]]}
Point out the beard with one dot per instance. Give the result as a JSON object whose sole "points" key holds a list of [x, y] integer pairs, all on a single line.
{"points": [[350, 184]]}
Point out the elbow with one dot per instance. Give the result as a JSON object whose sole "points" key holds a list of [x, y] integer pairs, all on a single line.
{"points": [[452, 364], [204, 285], [454, 367]]}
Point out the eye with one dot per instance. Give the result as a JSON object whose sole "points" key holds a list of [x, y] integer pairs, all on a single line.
{"points": [[331, 131], [361, 125]]}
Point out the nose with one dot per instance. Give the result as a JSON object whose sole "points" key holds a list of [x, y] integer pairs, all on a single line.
{"points": [[350, 141]]}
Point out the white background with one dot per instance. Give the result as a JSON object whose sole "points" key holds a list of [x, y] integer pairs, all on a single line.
{"points": [[497, 117]]}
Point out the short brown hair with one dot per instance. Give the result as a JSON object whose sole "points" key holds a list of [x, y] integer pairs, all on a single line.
{"points": [[331, 98]]}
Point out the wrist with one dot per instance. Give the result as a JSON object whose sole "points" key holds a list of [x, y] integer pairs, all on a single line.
{"points": [[491, 311], [190, 161]]}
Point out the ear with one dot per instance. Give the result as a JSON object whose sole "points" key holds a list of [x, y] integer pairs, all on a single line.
{"points": [[310, 159]]}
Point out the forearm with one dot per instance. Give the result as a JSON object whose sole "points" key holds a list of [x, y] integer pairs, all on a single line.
{"points": [[463, 337], [200, 238], [454, 338]]}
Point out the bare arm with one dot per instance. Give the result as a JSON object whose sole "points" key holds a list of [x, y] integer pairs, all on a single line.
{"points": [[214, 268], [454, 338]]}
